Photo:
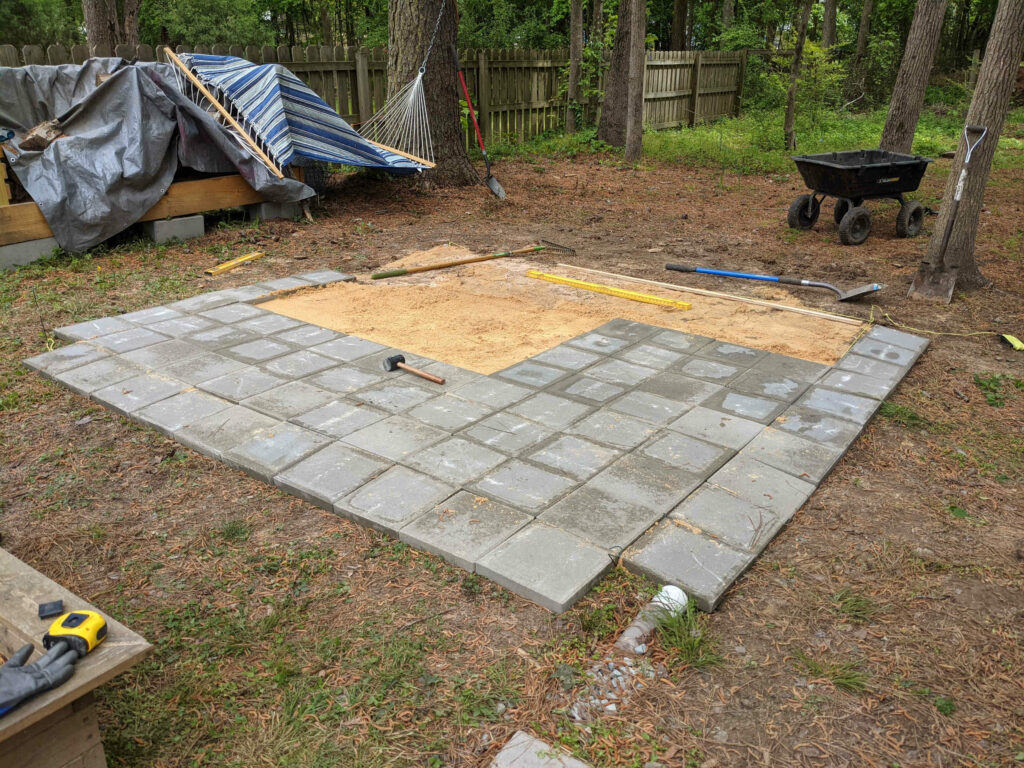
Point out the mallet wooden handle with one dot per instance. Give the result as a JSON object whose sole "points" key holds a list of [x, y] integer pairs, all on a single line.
{"points": [[421, 374]]}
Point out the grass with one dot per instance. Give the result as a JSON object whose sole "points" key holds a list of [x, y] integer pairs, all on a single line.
{"points": [[904, 415], [991, 386], [844, 675], [854, 607], [687, 640]]}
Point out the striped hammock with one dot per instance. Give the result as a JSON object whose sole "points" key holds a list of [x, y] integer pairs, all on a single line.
{"points": [[291, 124]]}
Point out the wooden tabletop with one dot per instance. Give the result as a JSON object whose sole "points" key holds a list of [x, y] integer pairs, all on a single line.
{"points": [[22, 589]]}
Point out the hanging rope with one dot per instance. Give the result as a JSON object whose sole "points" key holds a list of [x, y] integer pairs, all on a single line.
{"points": [[402, 124]]}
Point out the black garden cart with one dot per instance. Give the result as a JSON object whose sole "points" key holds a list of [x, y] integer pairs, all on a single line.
{"points": [[853, 177]]}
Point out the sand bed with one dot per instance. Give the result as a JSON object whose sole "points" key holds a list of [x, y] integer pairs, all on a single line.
{"points": [[490, 315]]}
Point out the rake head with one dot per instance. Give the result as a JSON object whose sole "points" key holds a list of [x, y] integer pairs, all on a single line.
{"points": [[558, 248]]}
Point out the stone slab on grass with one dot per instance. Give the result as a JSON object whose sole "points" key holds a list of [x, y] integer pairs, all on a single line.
{"points": [[233, 313], [200, 302], [792, 454], [274, 449], [221, 431], [876, 369], [130, 395], [183, 326], [289, 400], [65, 358], [395, 437], [150, 315], [464, 528], [523, 485], [547, 565], [717, 427], [388, 502], [326, 277], [525, 751], [179, 411], [90, 329], [158, 356], [898, 338], [85, 379], [455, 460], [133, 338], [842, 405], [764, 486], [817, 426], [604, 520], [886, 353], [673, 553], [729, 519], [329, 474], [339, 418]]}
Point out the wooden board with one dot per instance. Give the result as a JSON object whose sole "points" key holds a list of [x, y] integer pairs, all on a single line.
{"points": [[22, 588], [67, 738], [24, 221]]}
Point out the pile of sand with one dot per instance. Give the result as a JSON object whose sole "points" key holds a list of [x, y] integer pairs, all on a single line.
{"points": [[490, 315]]}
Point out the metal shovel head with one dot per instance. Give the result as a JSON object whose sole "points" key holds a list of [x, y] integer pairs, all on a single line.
{"points": [[855, 293], [495, 187], [933, 285]]}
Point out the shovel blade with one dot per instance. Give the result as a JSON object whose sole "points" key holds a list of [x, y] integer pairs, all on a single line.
{"points": [[495, 187], [933, 285], [855, 293]]}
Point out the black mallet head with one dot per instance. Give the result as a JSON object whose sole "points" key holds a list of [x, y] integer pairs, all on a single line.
{"points": [[391, 363]]}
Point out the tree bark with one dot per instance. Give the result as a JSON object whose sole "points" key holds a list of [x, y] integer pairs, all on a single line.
{"points": [[635, 90], [828, 25], [326, 38], [794, 75], [679, 25], [855, 81], [597, 25], [101, 23], [728, 13], [575, 59], [908, 93], [130, 25], [988, 108], [410, 26], [611, 127]]}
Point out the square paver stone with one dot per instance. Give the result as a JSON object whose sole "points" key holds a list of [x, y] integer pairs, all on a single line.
{"points": [[299, 364], [88, 378], [339, 418], [680, 342], [464, 528], [221, 336], [600, 518], [241, 384], [201, 302], [717, 427], [794, 455], [269, 323], [565, 356], [348, 348], [233, 313], [524, 485], [65, 358], [886, 353], [598, 342], [876, 369], [492, 392], [394, 498], [159, 356], [455, 460], [259, 350], [575, 456], [223, 430], [630, 330], [292, 399], [346, 378], [683, 389], [90, 329], [330, 473], [547, 565], [453, 375], [395, 437], [137, 392], [650, 356], [840, 404], [709, 370], [274, 449], [286, 283], [687, 453], [532, 374], [857, 384], [182, 326], [613, 428], [777, 386], [762, 485], [672, 553], [150, 315], [591, 391], [729, 519], [817, 426], [326, 277], [178, 411], [525, 751], [621, 372], [508, 432], [449, 412], [646, 482], [307, 335], [733, 354], [898, 338], [793, 367], [550, 410], [133, 338], [202, 367], [649, 407], [395, 395], [751, 407], [245, 293]]}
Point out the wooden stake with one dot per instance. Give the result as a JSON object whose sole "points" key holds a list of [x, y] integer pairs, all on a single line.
{"points": [[227, 266], [224, 113]]}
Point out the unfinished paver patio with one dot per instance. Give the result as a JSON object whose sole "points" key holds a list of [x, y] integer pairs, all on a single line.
{"points": [[679, 454]]}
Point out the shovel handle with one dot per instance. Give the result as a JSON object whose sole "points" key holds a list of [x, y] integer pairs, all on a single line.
{"points": [[472, 114]]}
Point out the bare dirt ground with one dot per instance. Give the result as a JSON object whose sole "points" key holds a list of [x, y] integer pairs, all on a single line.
{"points": [[883, 626]]}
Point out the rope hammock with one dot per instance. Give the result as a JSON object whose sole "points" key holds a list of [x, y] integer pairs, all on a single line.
{"points": [[402, 124]]}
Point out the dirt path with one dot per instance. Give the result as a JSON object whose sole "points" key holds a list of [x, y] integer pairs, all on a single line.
{"points": [[882, 626]]}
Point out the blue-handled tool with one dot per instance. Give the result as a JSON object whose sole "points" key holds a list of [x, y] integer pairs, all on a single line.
{"points": [[851, 295]]}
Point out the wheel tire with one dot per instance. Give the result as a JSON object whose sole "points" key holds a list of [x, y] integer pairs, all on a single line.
{"points": [[910, 219], [841, 207], [799, 217], [855, 226]]}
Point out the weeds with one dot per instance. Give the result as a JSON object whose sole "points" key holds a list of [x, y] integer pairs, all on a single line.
{"points": [[853, 607], [904, 416], [686, 639], [844, 675], [991, 386]]}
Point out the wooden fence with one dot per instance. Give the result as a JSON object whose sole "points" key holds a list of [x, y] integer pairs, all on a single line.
{"points": [[518, 93]]}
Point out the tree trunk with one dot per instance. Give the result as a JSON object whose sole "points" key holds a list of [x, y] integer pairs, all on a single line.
{"points": [[988, 108], [575, 59], [130, 26], [635, 89], [794, 75], [326, 38], [728, 13], [410, 26], [597, 25], [101, 23], [679, 25], [828, 25], [611, 127], [855, 81], [908, 93]]}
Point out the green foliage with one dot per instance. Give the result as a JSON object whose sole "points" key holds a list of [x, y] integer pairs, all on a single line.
{"points": [[844, 675], [40, 22], [853, 607], [991, 386], [903, 415], [945, 705], [687, 640]]}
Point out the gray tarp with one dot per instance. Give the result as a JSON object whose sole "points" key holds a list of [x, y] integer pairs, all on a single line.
{"points": [[126, 138]]}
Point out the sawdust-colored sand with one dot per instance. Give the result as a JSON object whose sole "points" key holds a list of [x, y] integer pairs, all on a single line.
{"points": [[490, 315]]}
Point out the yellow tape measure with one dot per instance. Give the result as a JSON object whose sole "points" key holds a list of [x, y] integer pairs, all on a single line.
{"points": [[608, 290], [81, 630]]}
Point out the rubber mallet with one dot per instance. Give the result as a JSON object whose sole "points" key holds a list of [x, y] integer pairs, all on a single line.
{"points": [[398, 361]]}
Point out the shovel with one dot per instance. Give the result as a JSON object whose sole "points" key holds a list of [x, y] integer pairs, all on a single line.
{"points": [[851, 295], [939, 283], [491, 182]]}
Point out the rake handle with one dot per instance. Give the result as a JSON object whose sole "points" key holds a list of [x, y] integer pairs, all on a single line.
{"points": [[459, 262]]}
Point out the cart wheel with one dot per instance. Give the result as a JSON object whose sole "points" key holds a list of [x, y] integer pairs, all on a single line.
{"points": [[910, 219], [799, 217], [842, 206], [855, 226]]}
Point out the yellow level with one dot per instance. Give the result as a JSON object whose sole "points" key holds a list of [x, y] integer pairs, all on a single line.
{"points": [[609, 290], [227, 266]]}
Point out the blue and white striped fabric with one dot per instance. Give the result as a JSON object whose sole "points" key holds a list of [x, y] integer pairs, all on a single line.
{"points": [[293, 123]]}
